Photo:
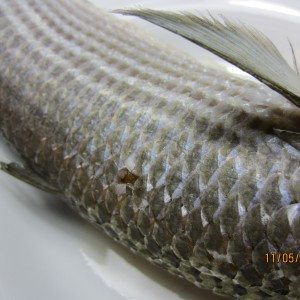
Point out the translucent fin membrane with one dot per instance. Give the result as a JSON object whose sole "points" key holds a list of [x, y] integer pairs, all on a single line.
{"points": [[243, 46]]}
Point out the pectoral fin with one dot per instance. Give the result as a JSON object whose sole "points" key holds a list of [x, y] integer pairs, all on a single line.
{"points": [[243, 46], [27, 175]]}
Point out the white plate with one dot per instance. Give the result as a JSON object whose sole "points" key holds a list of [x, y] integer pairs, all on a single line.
{"points": [[47, 252]]}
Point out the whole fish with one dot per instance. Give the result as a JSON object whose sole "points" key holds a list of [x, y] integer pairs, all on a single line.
{"points": [[194, 169]]}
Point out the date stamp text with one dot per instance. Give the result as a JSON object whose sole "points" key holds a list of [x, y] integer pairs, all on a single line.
{"points": [[286, 258]]}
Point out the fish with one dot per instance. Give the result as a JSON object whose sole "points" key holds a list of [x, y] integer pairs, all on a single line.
{"points": [[190, 167]]}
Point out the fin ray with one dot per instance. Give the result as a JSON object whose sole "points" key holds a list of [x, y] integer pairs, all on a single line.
{"points": [[26, 175], [241, 45]]}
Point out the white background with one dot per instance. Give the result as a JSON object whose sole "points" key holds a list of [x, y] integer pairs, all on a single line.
{"points": [[47, 252]]}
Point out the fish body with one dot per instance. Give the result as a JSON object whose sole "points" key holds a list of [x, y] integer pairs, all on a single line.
{"points": [[181, 163]]}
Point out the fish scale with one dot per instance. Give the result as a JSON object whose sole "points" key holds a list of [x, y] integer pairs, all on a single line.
{"points": [[209, 189]]}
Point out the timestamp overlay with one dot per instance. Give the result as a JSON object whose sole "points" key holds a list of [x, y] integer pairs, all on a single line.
{"points": [[282, 257]]}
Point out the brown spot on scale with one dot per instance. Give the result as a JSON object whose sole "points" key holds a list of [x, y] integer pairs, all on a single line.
{"points": [[125, 176]]}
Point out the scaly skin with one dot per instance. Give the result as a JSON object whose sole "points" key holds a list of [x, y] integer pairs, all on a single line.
{"points": [[177, 161]]}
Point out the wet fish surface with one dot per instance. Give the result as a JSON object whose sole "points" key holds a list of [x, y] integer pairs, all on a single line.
{"points": [[194, 169]]}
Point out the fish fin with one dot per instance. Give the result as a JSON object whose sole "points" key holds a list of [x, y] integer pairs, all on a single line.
{"points": [[25, 174], [241, 45], [295, 63], [291, 137]]}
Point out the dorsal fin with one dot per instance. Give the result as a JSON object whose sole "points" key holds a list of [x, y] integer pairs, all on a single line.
{"points": [[245, 47]]}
